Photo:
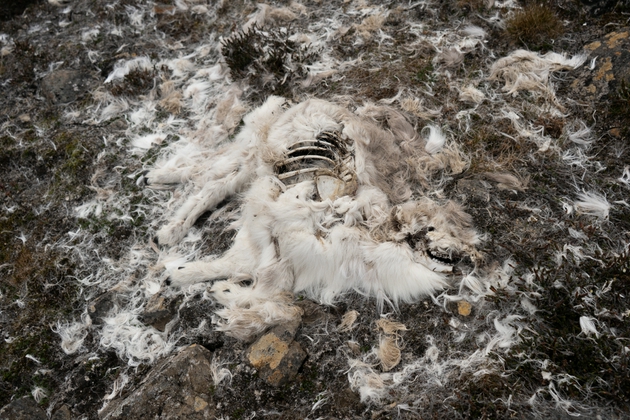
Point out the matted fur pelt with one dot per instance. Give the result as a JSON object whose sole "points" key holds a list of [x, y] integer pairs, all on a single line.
{"points": [[332, 201]]}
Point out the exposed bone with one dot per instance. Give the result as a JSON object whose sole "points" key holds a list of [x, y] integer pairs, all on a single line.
{"points": [[328, 148]]}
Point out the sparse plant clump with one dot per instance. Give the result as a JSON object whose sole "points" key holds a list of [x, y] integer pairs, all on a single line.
{"points": [[267, 59], [534, 27], [137, 82]]}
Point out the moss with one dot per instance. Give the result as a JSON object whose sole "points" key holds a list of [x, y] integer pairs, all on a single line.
{"points": [[597, 363], [182, 26], [483, 397], [238, 413], [425, 73], [553, 126], [18, 371], [534, 27], [491, 148], [16, 7]]}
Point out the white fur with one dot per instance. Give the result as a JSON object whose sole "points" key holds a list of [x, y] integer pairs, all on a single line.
{"points": [[593, 204], [526, 70], [587, 324], [625, 176], [436, 140], [290, 240]]}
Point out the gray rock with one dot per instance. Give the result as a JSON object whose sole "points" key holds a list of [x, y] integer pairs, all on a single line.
{"points": [[65, 86], [312, 312], [276, 356], [612, 66], [159, 311], [99, 308], [177, 388], [24, 408], [63, 413]]}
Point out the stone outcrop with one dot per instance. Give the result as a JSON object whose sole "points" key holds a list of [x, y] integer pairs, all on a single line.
{"points": [[24, 408], [180, 387], [276, 356], [611, 66]]}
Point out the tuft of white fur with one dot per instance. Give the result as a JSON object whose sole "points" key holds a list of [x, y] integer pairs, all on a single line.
{"points": [[267, 14], [219, 373], [146, 142], [587, 324], [581, 134], [388, 352], [508, 333], [370, 385], [390, 343], [593, 204], [136, 16], [474, 31], [347, 321], [33, 358], [435, 141], [471, 94], [625, 176], [390, 327], [526, 70], [73, 334], [39, 394], [123, 68], [506, 181], [117, 387], [132, 341]]}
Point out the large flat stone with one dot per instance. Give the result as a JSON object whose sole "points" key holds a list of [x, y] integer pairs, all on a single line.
{"points": [[22, 409], [276, 356], [65, 86], [612, 65], [177, 388]]}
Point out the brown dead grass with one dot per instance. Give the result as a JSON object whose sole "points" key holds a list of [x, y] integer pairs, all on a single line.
{"points": [[534, 27]]}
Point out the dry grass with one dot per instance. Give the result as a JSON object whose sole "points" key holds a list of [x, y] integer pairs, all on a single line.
{"points": [[534, 27]]}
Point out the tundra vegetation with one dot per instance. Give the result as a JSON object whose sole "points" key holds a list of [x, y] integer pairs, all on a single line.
{"points": [[94, 94]]}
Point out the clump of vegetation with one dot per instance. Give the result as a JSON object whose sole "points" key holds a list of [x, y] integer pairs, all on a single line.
{"points": [[137, 82], [181, 25], [267, 59], [534, 27]]}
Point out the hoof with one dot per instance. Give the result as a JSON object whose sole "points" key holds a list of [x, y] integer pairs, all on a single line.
{"points": [[143, 180]]}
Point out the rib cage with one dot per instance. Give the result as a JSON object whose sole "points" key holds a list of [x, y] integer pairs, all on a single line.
{"points": [[328, 160]]}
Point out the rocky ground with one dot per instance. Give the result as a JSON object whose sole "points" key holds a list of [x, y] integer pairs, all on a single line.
{"points": [[88, 328]]}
